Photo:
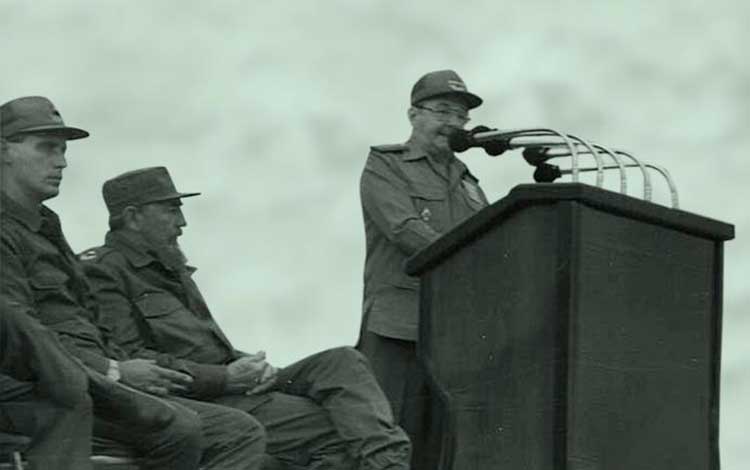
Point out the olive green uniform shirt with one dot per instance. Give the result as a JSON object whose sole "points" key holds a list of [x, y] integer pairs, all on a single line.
{"points": [[409, 199], [156, 311], [39, 272]]}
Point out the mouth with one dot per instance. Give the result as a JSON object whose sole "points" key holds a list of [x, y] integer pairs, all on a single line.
{"points": [[446, 132], [445, 136]]}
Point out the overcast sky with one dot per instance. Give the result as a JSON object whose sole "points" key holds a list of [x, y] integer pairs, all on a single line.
{"points": [[268, 109]]}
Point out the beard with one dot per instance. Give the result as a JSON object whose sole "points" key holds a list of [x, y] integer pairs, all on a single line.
{"points": [[171, 255]]}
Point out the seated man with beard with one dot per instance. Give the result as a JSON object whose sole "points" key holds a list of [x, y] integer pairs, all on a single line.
{"points": [[325, 411], [41, 278]]}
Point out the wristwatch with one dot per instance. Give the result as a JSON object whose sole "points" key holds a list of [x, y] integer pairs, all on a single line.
{"points": [[113, 372]]}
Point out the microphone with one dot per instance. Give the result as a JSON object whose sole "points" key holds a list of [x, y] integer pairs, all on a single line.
{"points": [[461, 140], [546, 173], [536, 156]]}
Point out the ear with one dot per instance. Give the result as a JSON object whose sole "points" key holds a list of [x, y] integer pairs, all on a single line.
{"points": [[131, 218], [4, 149], [411, 113]]}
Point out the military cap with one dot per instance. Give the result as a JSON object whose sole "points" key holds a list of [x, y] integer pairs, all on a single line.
{"points": [[441, 83], [35, 115], [139, 187]]}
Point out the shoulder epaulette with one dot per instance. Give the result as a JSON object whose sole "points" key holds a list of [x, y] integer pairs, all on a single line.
{"points": [[389, 148], [94, 254]]}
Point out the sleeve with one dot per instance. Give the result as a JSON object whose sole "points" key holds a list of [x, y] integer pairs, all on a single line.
{"points": [[122, 325], [386, 201], [31, 352], [15, 288], [14, 285]]}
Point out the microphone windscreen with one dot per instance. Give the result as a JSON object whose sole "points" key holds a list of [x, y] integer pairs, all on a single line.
{"points": [[546, 173], [460, 140], [535, 155], [495, 147]]}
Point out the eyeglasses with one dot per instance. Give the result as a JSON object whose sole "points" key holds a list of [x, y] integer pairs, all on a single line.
{"points": [[445, 114]]}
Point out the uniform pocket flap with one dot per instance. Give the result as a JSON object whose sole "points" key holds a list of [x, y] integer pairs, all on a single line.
{"points": [[411, 283], [429, 193], [47, 281], [157, 304]]}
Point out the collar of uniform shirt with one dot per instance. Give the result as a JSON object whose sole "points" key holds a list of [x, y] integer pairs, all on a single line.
{"points": [[131, 247], [136, 249], [416, 152], [13, 209]]}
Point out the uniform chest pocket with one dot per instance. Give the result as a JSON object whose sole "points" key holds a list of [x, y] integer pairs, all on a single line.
{"points": [[157, 305], [50, 292], [48, 282], [431, 205], [169, 324]]}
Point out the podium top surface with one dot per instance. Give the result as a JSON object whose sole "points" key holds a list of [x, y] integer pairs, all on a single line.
{"points": [[526, 195]]}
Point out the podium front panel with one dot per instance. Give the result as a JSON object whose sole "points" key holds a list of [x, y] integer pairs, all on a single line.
{"points": [[568, 337], [491, 336], [641, 346]]}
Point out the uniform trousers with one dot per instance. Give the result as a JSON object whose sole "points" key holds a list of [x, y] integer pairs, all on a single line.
{"points": [[53, 398], [394, 362], [328, 412], [178, 433]]}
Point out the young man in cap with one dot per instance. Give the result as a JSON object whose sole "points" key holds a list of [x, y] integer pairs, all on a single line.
{"points": [[411, 194], [42, 277], [323, 412]]}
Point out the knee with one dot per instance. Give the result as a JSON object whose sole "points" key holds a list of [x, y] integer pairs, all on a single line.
{"points": [[244, 427], [79, 411], [185, 428], [346, 356]]}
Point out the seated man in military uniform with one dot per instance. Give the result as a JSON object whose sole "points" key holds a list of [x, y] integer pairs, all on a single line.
{"points": [[325, 411], [43, 279]]}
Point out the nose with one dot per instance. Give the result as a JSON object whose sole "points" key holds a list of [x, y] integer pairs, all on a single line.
{"points": [[181, 219], [59, 160]]}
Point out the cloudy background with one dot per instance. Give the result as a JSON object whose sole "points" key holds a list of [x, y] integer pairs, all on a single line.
{"points": [[268, 108]]}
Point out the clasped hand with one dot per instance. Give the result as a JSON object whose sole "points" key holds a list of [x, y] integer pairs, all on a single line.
{"points": [[145, 375], [250, 374]]}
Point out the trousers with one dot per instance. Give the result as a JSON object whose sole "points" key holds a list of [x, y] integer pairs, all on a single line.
{"points": [[327, 411], [395, 365], [49, 395]]}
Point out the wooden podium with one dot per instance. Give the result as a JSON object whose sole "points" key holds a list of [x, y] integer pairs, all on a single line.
{"points": [[566, 327]]}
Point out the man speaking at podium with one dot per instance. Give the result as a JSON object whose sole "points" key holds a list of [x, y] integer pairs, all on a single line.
{"points": [[411, 194]]}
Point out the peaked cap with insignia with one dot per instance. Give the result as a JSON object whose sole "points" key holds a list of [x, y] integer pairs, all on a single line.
{"points": [[442, 83]]}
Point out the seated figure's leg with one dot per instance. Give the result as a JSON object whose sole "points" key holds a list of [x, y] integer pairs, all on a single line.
{"points": [[340, 381], [299, 431], [165, 435], [232, 439], [61, 434]]}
